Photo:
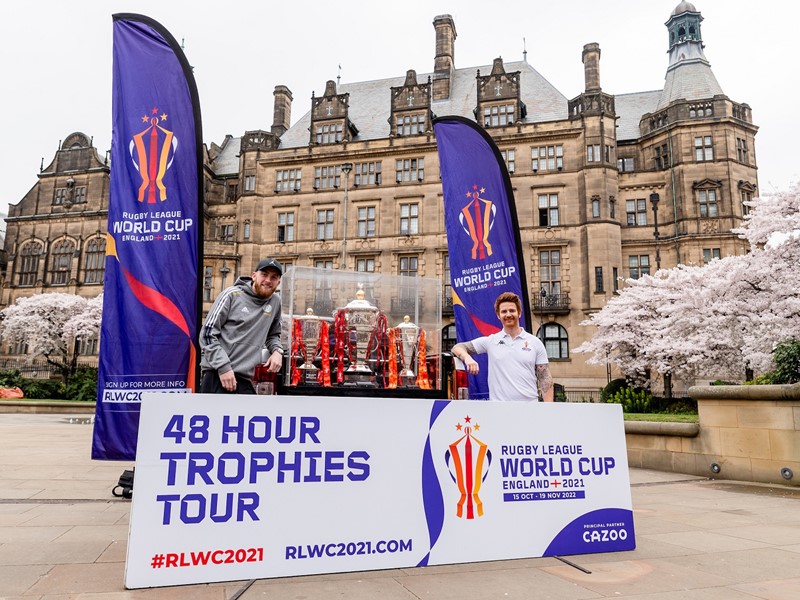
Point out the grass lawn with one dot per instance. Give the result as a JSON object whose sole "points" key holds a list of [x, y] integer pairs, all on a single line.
{"points": [[660, 417]]}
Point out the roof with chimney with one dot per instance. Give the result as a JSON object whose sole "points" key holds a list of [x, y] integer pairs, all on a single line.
{"points": [[370, 102], [688, 77]]}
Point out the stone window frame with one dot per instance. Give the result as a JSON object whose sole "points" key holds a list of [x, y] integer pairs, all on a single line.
{"points": [[29, 258], [94, 261]]}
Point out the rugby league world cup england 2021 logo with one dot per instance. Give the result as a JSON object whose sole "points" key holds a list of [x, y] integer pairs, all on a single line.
{"points": [[468, 459], [477, 219], [152, 152]]}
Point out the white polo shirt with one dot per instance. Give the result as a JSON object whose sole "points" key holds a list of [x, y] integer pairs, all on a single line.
{"points": [[512, 364]]}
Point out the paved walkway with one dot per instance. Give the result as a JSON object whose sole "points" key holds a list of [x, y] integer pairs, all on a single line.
{"points": [[63, 536]]}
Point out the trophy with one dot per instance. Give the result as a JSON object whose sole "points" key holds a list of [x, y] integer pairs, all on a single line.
{"points": [[362, 321], [309, 334], [408, 333]]}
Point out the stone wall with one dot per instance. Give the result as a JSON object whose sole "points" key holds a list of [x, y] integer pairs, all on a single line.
{"points": [[746, 433]]}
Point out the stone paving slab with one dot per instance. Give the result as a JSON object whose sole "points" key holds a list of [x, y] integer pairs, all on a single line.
{"points": [[780, 589], [627, 577], [63, 537]]}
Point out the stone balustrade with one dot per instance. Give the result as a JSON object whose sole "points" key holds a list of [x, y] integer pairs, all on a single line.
{"points": [[745, 432]]}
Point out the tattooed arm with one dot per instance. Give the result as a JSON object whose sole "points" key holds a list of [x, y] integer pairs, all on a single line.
{"points": [[463, 352], [545, 380]]}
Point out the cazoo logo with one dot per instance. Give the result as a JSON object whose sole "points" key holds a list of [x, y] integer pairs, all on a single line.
{"points": [[604, 535]]}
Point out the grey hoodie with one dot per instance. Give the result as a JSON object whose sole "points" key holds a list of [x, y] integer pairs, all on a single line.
{"points": [[237, 327]]}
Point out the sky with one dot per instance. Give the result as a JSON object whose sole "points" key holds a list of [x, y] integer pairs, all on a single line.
{"points": [[56, 65]]}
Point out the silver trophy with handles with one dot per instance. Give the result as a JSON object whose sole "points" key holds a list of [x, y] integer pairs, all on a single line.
{"points": [[409, 344], [362, 322], [310, 330]]}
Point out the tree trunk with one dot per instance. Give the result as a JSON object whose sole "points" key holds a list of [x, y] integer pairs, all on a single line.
{"points": [[62, 367], [73, 364]]}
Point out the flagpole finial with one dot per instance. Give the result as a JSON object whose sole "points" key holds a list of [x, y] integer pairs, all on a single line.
{"points": [[339, 76]]}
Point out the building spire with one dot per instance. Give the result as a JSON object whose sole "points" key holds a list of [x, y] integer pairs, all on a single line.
{"points": [[685, 39], [689, 75]]}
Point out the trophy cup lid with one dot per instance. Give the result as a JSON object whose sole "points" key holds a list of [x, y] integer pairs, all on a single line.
{"points": [[309, 315], [407, 324], [360, 300]]}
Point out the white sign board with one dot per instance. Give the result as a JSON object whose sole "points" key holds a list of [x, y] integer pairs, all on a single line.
{"points": [[249, 487]]}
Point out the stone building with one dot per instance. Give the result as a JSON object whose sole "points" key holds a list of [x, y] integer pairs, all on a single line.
{"points": [[606, 186]]}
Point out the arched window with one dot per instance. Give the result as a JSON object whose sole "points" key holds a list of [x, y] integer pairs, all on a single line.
{"points": [[556, 341], [88, 347], [61, 265], [29, 263], [448, 338], [94, 264], [17, 347]]}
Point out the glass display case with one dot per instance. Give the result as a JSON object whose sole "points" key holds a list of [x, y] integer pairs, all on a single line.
{"points": [[354, 333]]}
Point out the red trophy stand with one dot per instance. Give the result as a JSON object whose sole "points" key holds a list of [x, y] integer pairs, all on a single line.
{"points": [[264, 382]]}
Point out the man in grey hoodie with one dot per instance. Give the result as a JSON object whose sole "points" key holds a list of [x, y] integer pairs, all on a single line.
{"points": [[245, 318]]}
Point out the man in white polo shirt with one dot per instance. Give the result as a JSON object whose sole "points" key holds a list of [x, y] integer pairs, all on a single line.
{"points": [[518, 365]]}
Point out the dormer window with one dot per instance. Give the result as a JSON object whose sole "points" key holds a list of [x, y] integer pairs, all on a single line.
{"points": [[411, 106], [499, 102], [329, 133], [330, 123], [498, 115], [410, 124]]}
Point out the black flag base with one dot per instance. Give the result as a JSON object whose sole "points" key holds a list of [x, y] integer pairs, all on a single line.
{"points": [[124, 487]]}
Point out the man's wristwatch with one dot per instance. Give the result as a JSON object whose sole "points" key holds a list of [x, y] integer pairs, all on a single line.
{"points": [[278, 350]]}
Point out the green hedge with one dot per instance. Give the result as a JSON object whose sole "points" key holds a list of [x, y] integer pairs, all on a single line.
{"points": [[81, 387], [636, 400], [613, 386]]}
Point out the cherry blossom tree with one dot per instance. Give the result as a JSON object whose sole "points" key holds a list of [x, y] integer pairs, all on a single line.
{"points": [[52, 325], [775, 218], [771, 282], [651, 326], [720, 320], [86, 324]]}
